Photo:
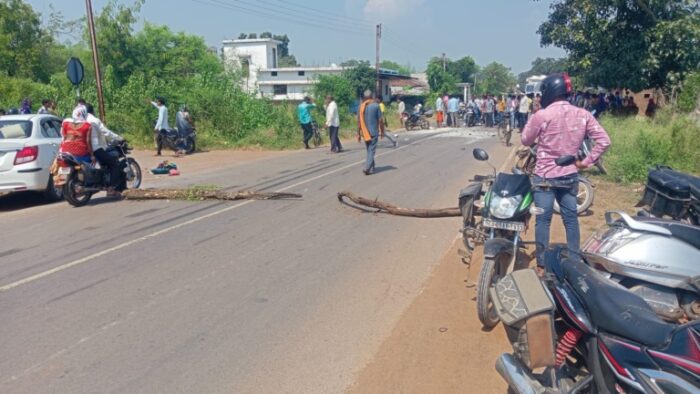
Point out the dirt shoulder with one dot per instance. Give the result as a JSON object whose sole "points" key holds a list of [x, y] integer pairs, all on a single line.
{"points": [[439, 346]]}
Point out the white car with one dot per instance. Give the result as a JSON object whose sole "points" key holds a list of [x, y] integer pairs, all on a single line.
{"points": [[28, 146]]}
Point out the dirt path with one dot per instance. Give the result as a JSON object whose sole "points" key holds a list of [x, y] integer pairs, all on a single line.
{"points": [[438, 346]]}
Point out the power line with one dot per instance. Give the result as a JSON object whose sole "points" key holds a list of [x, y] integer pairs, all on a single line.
{"points": [[322, 12], [286, 18], [305, 11]]}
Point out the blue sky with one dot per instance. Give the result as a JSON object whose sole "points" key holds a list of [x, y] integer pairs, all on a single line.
{"points": [[330, 31]]}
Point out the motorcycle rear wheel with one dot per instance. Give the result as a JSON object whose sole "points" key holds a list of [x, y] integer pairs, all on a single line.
{"points": [[71, 194], [135, 182]]}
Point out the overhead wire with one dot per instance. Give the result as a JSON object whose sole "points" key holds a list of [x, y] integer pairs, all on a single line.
{"points": [[329, 13], [282, 17]]}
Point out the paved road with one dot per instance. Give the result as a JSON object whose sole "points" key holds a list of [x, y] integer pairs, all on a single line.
{"points": [[264, 296]]}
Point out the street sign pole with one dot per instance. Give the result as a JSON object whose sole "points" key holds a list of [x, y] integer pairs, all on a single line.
{"points": [[95, 58]]}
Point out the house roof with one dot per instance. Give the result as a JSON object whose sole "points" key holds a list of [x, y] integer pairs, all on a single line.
{"points": [[252, 41], [293, 69]]}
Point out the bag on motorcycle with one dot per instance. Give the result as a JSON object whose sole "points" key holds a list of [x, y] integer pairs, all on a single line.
{"points": [[525, 308], [91, 176], [667, 191]]}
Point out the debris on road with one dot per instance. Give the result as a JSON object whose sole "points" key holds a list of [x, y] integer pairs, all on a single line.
{"points": [[199, 194], [384, 207]]}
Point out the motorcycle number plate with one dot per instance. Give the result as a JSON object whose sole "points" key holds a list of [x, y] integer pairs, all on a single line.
{"points": [[502, 225], [64, 170]]}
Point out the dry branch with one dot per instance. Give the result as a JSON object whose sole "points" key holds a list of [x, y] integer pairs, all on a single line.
{"points": [[383, 207], [201, 194]]}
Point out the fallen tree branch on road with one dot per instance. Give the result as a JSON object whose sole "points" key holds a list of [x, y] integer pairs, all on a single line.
{"points": [[195, 194], [384, 207]]}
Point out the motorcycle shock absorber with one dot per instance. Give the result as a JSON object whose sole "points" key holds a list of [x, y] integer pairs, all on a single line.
{"points": [[566, 344]]}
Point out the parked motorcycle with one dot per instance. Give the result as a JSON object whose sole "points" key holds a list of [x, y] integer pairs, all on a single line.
{"points": [[575, 331], [171, 139], [527, 161], [80, 180], [417, 119], [656, 259], [673, 194]]}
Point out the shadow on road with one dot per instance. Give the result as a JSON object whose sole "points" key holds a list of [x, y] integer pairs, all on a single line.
{"points": [[377, 170], [21, 200]]}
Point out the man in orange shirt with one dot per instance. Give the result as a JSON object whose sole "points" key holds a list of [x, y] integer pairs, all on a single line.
{"points": [[370, 127]]}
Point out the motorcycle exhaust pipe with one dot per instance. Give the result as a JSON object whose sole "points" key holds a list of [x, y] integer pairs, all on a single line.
{"points": [[517, 376]]}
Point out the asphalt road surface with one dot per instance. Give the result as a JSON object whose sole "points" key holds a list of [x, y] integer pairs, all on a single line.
{"points": [[253, 296]]}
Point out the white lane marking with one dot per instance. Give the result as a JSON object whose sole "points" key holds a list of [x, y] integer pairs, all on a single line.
{"points": [[185, 223]]}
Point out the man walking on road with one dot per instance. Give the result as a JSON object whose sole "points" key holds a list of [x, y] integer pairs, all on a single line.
{"points": [[402, 109], [370, 127], [333, 124], [304, 114], [440, 111], [382, 107], [560, 128], [523, 110]]}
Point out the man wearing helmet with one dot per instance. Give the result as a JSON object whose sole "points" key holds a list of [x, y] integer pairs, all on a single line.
{"points": [[559, 129]]}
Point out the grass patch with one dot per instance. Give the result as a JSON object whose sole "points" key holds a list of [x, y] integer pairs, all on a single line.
{"points": [[639, 144]]}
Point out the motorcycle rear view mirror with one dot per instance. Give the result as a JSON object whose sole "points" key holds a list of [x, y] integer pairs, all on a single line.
{"points": [[564, 161], [480, 154]]}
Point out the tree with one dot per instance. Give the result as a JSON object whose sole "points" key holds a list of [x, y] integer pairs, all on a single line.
{"points": [[22, 41], [388, 64], [252, 36], [495, 78], [114, 29], [355, 63], [336, 85], [242, 36], [543, 66], [266, 34], [361, 78], [443, 77], [635, 44]]}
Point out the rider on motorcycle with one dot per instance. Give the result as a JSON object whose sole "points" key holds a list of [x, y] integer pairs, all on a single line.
{"points": [[99, 139], [185, 127], [560, 129]]}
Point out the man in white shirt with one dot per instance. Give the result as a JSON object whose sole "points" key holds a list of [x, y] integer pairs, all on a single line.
{"points": [[99, 138], [402, 109], [440, 109], [333, 124], [45, 103], [161, 124], [523, 111]]}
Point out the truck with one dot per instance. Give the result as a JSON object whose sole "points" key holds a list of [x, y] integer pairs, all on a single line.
{"points": [[533, 84]]}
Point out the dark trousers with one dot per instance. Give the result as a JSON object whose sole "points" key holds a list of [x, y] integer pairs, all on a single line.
{"points": [[335, 140], [158, 137], [565, 191], [308, 133], [111, 164]]}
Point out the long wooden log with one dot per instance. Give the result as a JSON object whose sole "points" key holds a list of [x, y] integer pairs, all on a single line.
{"points": [[384, 207], [203, 194]]}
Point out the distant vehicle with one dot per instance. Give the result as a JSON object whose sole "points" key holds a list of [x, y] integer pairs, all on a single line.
{"points": [[28, 146], [533, 84]]}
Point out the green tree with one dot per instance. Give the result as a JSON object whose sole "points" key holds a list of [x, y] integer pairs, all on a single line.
{"points": [[388, 64], [242, 36], [442, 77], [463, 69], [355, 63], [361, 78], [114, 28], [495, 78], [635, 44], [337, 86], [23, 42], [543, 66]]}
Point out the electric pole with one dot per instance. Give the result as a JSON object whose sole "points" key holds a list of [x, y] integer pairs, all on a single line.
{"points": [[379, 36], [95, 59], [444, 62]]}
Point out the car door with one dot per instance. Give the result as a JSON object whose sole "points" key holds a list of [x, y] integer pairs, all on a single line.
{"points": [[50, 140]]}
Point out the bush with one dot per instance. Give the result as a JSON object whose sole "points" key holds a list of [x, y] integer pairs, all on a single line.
{"points": [[639, 144], [690, 93]]}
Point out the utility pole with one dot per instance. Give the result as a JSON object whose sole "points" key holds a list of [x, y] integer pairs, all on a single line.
{"points": [[95, 59], [379, 36], [444, 62]]}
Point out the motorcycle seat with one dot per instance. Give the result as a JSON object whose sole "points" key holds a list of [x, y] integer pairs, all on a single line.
{"points": [[615, 309], [682, 231]]}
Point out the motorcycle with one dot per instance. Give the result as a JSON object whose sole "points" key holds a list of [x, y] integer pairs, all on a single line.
{"points": [[417, 119], [470, 117], [656, 259], [527, 161], [80, 180], [673, 194], [171, 139], [575, 331]]}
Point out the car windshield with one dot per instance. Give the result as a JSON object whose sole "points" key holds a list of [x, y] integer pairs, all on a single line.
{"points": [[15, 129]]}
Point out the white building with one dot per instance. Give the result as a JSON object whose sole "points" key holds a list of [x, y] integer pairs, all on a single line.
{"points": [[258, 60]]}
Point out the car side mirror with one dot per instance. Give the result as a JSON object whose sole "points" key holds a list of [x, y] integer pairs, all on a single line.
{"points": [[480, 154], [564, 161]]}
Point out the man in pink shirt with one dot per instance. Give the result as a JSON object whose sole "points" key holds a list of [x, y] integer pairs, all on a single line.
{"points": [[559, 129]]}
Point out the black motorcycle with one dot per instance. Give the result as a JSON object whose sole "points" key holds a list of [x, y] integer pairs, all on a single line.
{"points": [[575, 331], [171, 139], [80, 180]]}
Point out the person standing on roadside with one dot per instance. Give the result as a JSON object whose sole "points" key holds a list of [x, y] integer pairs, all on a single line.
{"points": [[305, 119], [440, 111], [185, 128], [162, 125], [45, 104], [382, 107], [26, 107], [523, 110], [559, 129], [452, 110], [333, 124], [402, 109], [370, 127]]}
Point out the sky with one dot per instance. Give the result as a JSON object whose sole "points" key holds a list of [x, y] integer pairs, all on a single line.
{"points": [[323, 32]]}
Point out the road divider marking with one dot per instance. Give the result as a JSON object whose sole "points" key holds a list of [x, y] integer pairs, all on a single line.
{"points": [[154, 234]]}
